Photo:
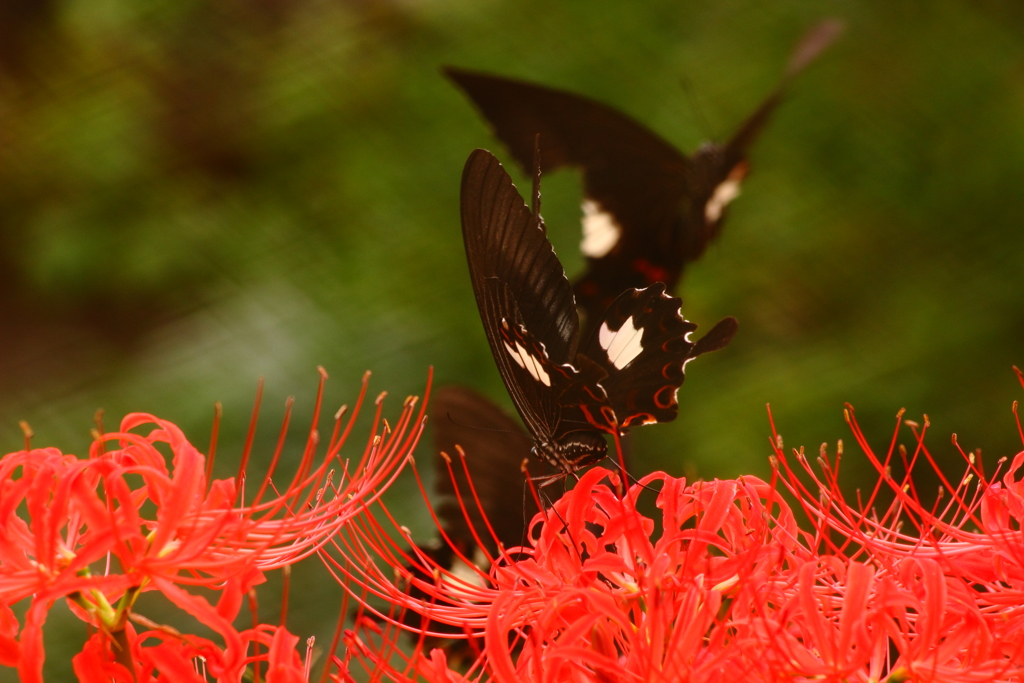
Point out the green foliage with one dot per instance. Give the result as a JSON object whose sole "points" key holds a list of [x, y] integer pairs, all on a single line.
{"points": [[194, 195]]}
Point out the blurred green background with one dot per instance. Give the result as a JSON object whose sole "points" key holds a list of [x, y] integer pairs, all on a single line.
{"points": [[194, 195]]}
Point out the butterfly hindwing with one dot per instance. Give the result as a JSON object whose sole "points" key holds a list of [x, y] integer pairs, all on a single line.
{"points": [[495, 448], [643, 345], [719, 336]]}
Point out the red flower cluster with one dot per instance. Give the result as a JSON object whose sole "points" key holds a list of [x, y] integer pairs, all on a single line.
{"points": [[944, 586], [99, 531], [722, 585]]}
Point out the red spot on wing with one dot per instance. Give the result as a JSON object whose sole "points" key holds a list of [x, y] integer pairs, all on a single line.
{"points": [[604, 420], [639, 418], [665, 397], [739, 171], [651, 272]]}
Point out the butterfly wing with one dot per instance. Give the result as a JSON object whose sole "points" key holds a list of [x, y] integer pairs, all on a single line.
{"points": [[574, 131], [495, 448], [732, 157], [643, 345], [641, 193], [524, 298], [511, 263], [718, 338], [632, 178], [718, 170]]}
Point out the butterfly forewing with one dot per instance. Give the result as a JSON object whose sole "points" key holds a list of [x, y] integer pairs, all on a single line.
{"points": [[574, 130], [505, 243], [807, 49], [526, 306], [559, 398]]}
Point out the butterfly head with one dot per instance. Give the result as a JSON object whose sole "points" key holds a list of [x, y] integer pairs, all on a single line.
{"points": [[573, 451]]}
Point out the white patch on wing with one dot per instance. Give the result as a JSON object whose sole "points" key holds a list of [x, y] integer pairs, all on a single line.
{"points": [[727, 190], [600, 231], [523, 358], [469, 576], [623, 345]]}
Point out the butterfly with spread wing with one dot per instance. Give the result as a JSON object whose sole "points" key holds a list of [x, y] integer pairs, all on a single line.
{"points": [[628, 372], [648, 208]]}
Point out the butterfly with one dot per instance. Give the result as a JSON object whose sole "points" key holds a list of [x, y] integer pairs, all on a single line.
{"points": [[648, 208], [629, 370]]}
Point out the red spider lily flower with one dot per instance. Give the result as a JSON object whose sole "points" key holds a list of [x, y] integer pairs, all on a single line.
{"points": [[722, 585], [170, 529], [596, 597], [947, 587], [159, 656], [601, 598]]}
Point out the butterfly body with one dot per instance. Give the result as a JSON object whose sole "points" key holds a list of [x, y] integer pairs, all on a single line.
{"points": [[572, 451], [563, 407]]}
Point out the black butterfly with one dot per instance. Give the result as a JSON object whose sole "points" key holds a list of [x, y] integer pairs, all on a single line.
{"points": [[629, 371], [649, 209]]}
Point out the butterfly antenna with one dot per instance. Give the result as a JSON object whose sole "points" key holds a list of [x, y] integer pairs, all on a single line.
{"points": [[636, 482], [526, 522], [541, 499], [535, 490], [536, 175], [565, 527], [702, 120], [544, 502]]}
